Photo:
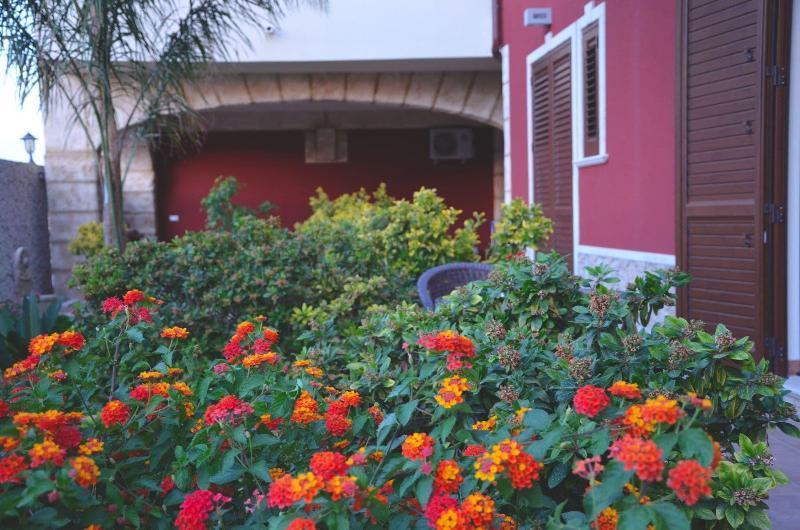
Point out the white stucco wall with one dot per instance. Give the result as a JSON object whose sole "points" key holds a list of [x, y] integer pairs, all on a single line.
{"points": [[376, 30]]}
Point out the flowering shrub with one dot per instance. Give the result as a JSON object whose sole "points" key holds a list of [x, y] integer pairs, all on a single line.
{"points": [[354, 253], [521, 403]]}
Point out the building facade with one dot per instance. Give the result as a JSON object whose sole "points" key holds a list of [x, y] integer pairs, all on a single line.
{"points": [[654, 134]]}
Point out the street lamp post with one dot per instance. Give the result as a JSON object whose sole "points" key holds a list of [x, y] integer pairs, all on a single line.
{"points": [[29, 141]]}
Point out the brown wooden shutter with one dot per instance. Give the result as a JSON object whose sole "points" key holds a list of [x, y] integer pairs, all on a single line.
{"points": [[720, 190], [591, 109], [552, 144]]}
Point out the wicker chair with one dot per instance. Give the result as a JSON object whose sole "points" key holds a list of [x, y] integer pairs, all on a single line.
{"points": [[440, 281]]}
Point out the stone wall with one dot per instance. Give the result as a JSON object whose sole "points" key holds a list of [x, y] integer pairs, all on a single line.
{"points": [[23, 225]]}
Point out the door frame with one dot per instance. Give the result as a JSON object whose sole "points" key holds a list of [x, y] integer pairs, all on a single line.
{"points": [[777, 18]]}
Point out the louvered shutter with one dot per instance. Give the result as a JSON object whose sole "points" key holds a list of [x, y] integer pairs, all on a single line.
{"points": [[720, 187], [591, 109], [552, 144]]}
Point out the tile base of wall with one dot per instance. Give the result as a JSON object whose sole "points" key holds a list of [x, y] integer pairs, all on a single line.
{"points": [[626, 270]]}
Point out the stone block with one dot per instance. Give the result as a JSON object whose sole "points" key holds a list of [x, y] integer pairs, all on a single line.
{"points": [[264, 88], [327, 87], [295, 87], [72, 197], [392, 88], [422, 89], [61, 132], [360, 87], [139, 180], [137, 157], [139, 202], [484, 96], [201, 95], [70, 166], [453, 92], [62, 259], [232, 90], [64, 225]]}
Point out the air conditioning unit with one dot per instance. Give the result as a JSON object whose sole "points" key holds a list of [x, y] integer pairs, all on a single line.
{"points": [[451, 144]]}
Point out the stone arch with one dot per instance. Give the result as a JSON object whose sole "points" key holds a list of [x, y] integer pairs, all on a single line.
{"points": [[476, 96]]}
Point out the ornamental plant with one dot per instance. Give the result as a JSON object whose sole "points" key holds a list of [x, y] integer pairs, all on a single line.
{"points": [[521, 226], [354, 255], [533, 399]]}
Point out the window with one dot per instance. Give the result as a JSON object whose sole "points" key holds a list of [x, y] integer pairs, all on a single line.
{"points": [[591, 110]]}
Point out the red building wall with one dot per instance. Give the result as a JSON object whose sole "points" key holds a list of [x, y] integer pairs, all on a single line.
{"points": [[629, 202], [271, 167]]}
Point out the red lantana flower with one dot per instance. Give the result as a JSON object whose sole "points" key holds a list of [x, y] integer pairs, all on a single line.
{"points": [[457, 347], [227, 410], [590, 400], [328, 464], [690, 481], [418, 446], [625, 390], [196, 508], [302, 524], [448, 477], [115, 413], [11, 467], [638, 454]]}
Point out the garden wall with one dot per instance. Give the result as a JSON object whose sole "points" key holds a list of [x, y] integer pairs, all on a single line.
{"points": [[24, 241]]}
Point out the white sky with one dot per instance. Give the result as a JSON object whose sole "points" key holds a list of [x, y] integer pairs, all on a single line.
{"points": [[16, 120]]}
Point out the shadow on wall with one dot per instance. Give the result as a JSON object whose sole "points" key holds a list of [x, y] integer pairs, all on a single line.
{"points": [[24, 237]]}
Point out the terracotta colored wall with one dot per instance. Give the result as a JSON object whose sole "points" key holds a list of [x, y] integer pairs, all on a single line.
{"points": [[271, 166], [629, 202]]}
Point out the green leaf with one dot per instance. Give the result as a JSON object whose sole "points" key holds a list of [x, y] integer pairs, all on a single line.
{"points": [[539, 448], [423, 490], [202, 389], [634, 518], [227, 475], [613, 479], [538, 420], [385, 427], [735, 516], [705, 514], [695, 442], [557, 475], [260, 470], [135, 335], [789, 429], [406, 410], [600, 441], [447, 427], [673, 517], [758, 518], [666, 442]]}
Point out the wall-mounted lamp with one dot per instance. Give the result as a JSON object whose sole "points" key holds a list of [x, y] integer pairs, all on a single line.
{"points": [[29, 141]]}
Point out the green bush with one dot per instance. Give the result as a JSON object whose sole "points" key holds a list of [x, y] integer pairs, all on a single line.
{"points": [[207, 278], [354, 254], [89, 240], [521, 226]]}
